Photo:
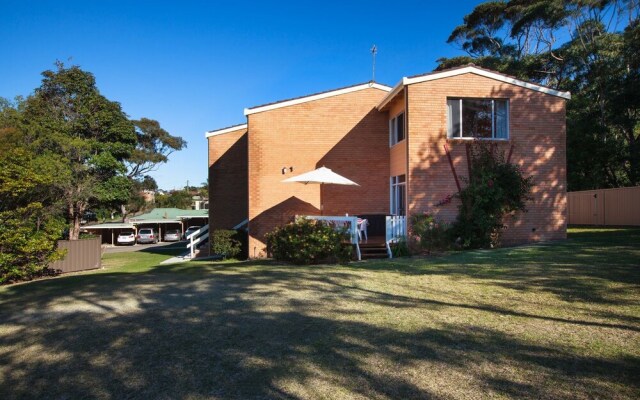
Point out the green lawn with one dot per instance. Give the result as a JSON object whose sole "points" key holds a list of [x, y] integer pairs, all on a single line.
{"points": [[547, 321]]}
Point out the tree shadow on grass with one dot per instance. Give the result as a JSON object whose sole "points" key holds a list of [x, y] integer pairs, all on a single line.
{"points": [[582, 268], [238, 330]]}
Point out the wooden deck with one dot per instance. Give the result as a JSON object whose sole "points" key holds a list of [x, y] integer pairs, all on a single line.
{"points": [[373, 241]]}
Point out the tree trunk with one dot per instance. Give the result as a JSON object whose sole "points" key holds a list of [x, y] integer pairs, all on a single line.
{"points": [[123, 211], [75, 215]]}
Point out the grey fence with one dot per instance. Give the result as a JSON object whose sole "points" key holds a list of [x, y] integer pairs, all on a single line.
{"points": [[81, 255]]}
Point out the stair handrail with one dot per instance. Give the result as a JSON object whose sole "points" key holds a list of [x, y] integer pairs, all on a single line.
{"points": [[197, 237], [396, 230]]}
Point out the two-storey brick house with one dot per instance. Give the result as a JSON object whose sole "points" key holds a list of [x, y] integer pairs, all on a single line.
{"points": [[396, 143]]}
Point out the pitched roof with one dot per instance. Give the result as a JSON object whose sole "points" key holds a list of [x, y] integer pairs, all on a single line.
{"points": [[176, 214], [228, 129], [465, 69], [315, 96]]}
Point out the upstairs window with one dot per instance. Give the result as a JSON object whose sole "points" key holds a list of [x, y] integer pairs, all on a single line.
{"points": [[396, 129], [478, 118]]}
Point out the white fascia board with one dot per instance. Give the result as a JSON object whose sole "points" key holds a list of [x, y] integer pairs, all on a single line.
{"points": [[488, 74], [396, 89], [249, 111], [225, 130]]}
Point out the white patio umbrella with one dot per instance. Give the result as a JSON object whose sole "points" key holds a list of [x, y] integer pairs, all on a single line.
{"points": [[321, 176]]}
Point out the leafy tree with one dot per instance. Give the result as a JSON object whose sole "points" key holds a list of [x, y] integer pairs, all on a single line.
{"points": [[148, 183], [137, 201], [577, 46], [175, 199], [29, 229], [90, 136], [153, 147]]}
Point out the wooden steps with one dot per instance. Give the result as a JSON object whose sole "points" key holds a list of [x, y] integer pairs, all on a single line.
{"points": [[373, 248]]}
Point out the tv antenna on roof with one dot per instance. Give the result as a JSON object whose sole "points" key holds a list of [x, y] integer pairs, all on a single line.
{"points": [[374, 51]]}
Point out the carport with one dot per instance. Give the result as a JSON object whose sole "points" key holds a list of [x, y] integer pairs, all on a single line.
{"points": [[160, 226], [160, 219], [109, 230]]}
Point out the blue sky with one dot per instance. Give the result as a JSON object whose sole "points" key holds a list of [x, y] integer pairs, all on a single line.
{"points": [[195, 65]]}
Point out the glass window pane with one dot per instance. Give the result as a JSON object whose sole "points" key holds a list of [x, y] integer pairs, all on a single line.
{"points": [[400, 127], [453, 117], [394, 208], [502, 119], [476, 118], [401, 199]]}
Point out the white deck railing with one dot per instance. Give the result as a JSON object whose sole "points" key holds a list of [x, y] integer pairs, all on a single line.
{"points": [[196, 238], [396, 231], [350, 223]]}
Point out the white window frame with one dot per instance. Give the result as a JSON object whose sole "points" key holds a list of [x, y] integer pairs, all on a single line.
{"points": [[493, 116], [393, 129], [394, 195]]}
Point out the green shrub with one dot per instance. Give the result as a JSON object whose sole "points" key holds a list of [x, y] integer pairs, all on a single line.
{"points": [[400, 248], [224, 243], [495, 190], [28, 243], [309, 242], [242, 236], [430, 234]]}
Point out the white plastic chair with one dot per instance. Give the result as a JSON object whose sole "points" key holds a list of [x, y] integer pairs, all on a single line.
{"points": [[362, 228]]}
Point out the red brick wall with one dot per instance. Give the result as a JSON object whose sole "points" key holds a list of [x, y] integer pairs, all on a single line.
{"points": [[344, 133], [536, 130], [228, 197]]}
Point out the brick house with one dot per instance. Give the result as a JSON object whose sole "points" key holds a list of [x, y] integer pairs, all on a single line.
{"points": [[393, 142]]}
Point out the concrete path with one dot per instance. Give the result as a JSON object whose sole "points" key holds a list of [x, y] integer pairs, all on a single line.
{"points": [[139, 247]]}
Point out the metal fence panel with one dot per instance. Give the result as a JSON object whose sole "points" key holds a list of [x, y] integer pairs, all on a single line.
{"points": [[81, 255]]}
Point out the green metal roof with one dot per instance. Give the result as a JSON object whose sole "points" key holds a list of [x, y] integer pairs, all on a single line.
{"points": [[169, 214], [109, 225]]}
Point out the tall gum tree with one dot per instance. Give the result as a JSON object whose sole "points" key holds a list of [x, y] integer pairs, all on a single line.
{"points": [[68, 116], [589, 47], [153, 147]]}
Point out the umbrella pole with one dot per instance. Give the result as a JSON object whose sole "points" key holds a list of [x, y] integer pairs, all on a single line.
{"points": [[321, 205]]}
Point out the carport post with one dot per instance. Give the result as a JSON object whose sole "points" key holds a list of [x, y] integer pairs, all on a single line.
{"points": [[112, 237], [160, 232]]}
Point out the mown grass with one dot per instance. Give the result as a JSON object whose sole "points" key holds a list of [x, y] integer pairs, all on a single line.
{"points": [[559, 320]]}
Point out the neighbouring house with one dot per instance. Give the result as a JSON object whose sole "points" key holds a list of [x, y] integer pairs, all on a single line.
{"points": [[199, 203], [396, 144], [149, 196]]}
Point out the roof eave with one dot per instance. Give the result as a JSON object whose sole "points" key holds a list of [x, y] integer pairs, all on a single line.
{"points": [[225, 130], [487, 74], [392, 94], [313, 97]]}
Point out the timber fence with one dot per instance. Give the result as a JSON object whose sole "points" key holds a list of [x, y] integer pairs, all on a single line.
{"points": [[607, 207]]}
